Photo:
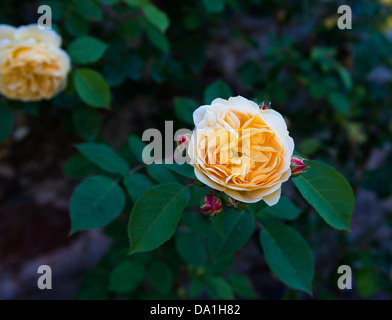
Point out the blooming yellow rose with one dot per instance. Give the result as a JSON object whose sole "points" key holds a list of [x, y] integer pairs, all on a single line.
{"points": [[32, 64], [240, 149]]}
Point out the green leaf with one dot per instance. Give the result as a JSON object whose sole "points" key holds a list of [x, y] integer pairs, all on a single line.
{"points": [[218, 288], [184, 109], [76, 25], [329, 193], [219, 266], [284, 209], [344, 76], [109, 1], [121, 67], [87, 122], [214, 6], [318, 89], [92, 88], [194, 220], [339, 102], [191, 249], [155, 216], [160, 174], [367, 282], [322, 55], [136, 145], [126, 277], [6, 122], [238, 228], [217, 89], [158, 71], [126, 154], [288, 255], [88, 9], [135, 3], [95, 202], [86, 50], [104, 157], [256, 208], [158, 39], [157, 17], [132, 28], [195, 287], [161, 277], [185, 170], [79, 167], [218, 222], [137, 184], [241, 285], [197, 193], [134, 66]]}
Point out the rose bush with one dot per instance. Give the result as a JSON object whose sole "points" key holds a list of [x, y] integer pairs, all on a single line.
{"points": [[32, 64], [142, 53], [241, 149]]}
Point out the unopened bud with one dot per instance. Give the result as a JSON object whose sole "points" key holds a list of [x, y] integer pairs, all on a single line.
{"points": [[183, 141], [211, 205], [298, 166], [232, 203], [265, 107]]}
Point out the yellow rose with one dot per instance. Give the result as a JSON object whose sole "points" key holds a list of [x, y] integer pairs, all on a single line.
{"points": [[240, 149], [32, 64]]}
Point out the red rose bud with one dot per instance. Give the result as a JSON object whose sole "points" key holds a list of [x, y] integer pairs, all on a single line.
{"points": [[211, 205], [183, 142], [298, 166], [265, 107]]}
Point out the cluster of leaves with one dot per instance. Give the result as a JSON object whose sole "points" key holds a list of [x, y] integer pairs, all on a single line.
{"points": [[162, 197]]}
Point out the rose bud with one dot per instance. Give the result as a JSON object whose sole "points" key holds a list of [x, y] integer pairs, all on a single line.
{"points": [[211, 205], [298, 166], [183, 142], [232, 203], [265, 107]]}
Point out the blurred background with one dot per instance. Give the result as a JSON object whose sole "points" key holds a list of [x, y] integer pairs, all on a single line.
{"points": [[333, 87]]}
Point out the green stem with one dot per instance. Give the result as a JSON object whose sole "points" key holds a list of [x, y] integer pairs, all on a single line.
{"points": [[137, 168], [259, 224]]}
